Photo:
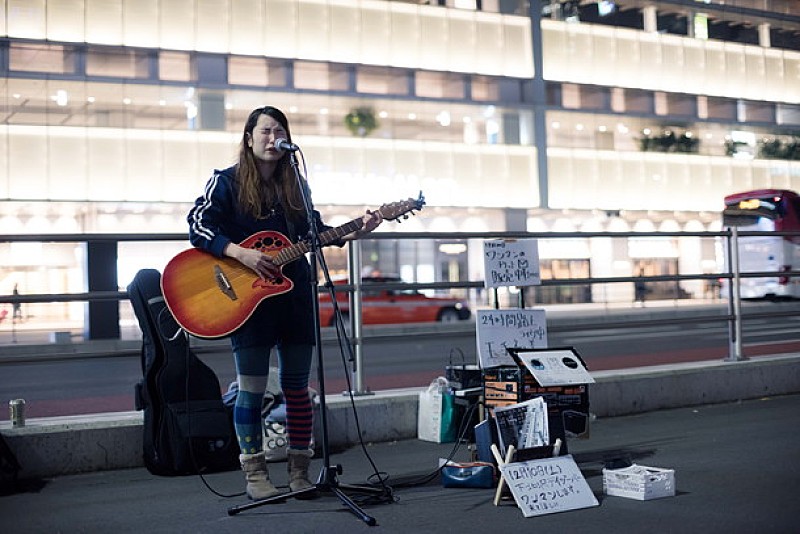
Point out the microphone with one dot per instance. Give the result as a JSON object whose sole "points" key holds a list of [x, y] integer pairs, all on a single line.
{"points": [[286, 146]]}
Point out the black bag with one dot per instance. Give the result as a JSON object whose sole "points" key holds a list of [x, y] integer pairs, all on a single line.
{"points": [[187, 428]]}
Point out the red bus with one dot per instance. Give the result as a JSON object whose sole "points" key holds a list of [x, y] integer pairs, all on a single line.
{"points": [[766, 210]]}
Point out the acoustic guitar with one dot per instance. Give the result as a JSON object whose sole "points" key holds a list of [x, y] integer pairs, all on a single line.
{"points": [[211, 297]]}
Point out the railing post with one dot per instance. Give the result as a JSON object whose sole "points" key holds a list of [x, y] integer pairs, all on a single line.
{"points": [[356, 323], [102, 318], [734, 300]]}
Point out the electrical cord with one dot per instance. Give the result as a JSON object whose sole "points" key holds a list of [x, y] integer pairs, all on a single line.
{"points": [[199, 471]]}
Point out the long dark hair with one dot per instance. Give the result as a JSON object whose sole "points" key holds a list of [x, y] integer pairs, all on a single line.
{"points": [[258, 194]]}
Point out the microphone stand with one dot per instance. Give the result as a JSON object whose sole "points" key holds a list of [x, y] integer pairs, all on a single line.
{"points": [[327, 481]]}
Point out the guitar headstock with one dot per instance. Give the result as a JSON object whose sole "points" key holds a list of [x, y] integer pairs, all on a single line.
{"points": [[402, 208]]}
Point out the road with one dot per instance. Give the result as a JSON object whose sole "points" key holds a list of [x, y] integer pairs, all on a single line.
{"points": [[78, 385]]}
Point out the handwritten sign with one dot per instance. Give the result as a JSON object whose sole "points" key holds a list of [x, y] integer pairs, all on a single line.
{"points": [[511, 262], [548, 486], [498, 330]]}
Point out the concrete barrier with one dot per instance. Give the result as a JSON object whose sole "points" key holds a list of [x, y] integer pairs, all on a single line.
{"points": [[49, 447]]}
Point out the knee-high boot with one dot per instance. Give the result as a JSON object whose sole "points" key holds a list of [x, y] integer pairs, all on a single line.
{"points": [[257, 476]]}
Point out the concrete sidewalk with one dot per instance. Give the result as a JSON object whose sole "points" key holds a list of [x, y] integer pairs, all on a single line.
{"points": [[737, 468]]}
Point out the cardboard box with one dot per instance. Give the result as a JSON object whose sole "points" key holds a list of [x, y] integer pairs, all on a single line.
{"points": [[639, 482]]}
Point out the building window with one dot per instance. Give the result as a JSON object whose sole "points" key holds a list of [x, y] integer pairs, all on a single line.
{"points": [[54, 59], [256, 71], [485, 89], [381, 80], [439, 85], [320, 76], [175, 66], [117, 63]]}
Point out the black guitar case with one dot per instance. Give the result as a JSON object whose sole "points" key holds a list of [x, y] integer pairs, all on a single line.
{"points": [[187, 428]]}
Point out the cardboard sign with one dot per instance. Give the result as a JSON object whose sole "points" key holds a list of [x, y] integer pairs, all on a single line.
{"points": [[548, 486], [511, 262], [499, 330], [554, 367]]}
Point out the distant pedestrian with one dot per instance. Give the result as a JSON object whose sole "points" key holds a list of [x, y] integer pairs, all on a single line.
{"points": [[17, 306], [639, 288]]}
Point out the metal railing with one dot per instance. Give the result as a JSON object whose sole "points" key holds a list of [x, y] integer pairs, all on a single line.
{"points": [[109, 242]]}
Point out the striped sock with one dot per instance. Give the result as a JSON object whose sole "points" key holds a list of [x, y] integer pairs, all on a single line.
{"points": [[299, 421]]}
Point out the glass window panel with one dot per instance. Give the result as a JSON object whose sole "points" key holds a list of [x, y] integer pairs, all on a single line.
{"points": [[25, 160], [117, 63], [715, 71], [439, 85], [375, 33], [247, 21], [27, 18], [756, 74], [742, 175], [247, 70], [213, 26], [143, 167], [628, 51], [404, 33], [67, 182], [461, 42], [604, 53], [791, 77], [176, 66], [140, 23], [674, 66], [65, 21], [181, 158], [177, 24], [320, 76], [517, 47], [344, 19], [489, 44], [31, 57], [313, 17], [381, 80], [432, 39], [106, 165], [650, 65], [280, 30], [736, 70], [773, 81], [554, 50], [485, 89], [104, 21]]}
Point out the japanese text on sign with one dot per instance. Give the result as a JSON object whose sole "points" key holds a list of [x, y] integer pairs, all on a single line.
{"points": [[499, 330], [548, 485], [510, 262]]}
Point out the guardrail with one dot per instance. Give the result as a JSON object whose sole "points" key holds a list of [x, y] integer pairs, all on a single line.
{"points": [[101, 258]]}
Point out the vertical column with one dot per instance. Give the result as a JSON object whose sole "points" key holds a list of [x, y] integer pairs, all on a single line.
{"points": [[650, 19], [763, 35], [102, 317], [539, 103]]}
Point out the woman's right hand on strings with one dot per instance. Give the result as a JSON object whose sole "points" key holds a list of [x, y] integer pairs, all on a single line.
{"points": [[255, 260]]}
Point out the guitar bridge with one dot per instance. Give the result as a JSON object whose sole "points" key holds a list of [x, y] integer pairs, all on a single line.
{"points": [[223, 283]]}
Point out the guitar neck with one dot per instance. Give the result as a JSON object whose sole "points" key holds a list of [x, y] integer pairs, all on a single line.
{"points": [[291, 253]]}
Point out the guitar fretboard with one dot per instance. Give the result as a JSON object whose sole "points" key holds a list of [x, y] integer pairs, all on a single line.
{"points": [[289, 254]]}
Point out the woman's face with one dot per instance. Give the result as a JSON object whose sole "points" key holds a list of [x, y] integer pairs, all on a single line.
{"points": [[265, 133]]}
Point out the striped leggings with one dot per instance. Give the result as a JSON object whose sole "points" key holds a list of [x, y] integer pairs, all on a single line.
{"points": [[252, 371]]}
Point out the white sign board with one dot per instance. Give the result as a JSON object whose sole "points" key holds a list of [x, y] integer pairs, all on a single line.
{"points": [[498, 330], [555, 367], [511, 262], [548, 486]]}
